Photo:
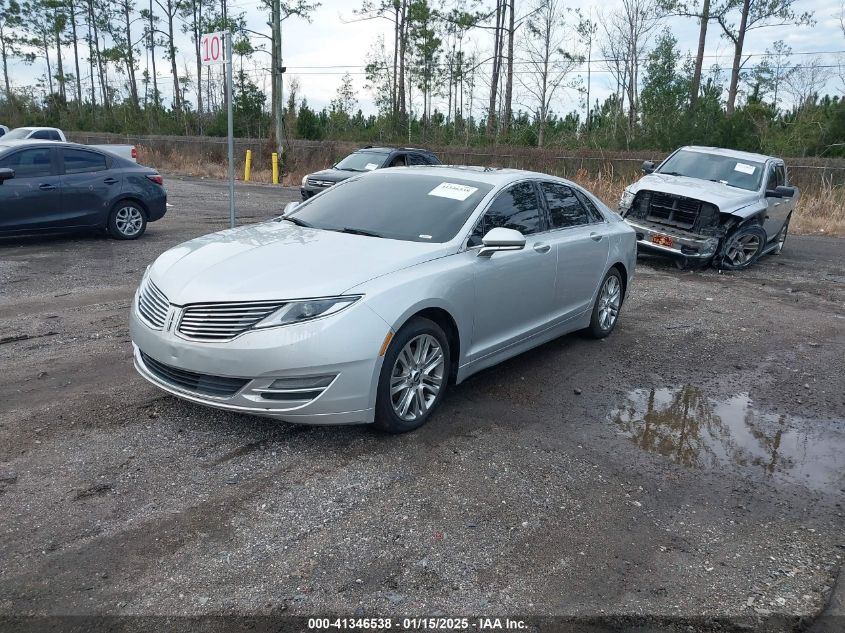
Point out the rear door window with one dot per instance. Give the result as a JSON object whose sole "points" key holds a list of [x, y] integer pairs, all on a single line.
{"points": [[417, 159], [80, 161], [565, 210], [29, 163]]}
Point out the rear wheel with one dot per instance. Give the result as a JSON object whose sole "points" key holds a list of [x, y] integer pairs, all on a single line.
{"points": [[127, 221], [413, 377], [607, 305], [742, 247]]}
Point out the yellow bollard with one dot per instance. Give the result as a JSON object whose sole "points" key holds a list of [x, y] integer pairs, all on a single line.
{"points": [[248, 165], [275, 168]]}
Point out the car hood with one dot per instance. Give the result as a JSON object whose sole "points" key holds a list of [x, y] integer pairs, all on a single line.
{"points": [[279, 260], [726, 198], [333, 175]]}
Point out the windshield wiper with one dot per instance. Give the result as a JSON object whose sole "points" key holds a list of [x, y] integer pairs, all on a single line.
{"points": [[297, 221], [670, 173], [725, 182], [353, 231]]}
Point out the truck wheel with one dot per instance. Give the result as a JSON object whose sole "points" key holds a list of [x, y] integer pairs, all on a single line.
{"points": [[127, 221], [741, 248], [780, 240]]}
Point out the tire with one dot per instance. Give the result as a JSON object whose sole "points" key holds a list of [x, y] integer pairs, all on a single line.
{"points": [[608, 302], [780, 240], [418, 399], [741, 248], [127, 221]]}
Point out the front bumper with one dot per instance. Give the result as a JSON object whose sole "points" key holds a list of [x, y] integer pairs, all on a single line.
{"points": [[345, 346], [684, 244]]}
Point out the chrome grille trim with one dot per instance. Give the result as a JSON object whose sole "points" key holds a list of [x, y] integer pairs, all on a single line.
{"points": [[153, 305], [223, 321]]}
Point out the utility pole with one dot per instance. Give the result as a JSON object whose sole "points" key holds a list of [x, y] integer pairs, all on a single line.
{"points": [[277, 75]]}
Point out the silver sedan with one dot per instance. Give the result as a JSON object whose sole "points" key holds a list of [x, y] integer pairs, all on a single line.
{"points": [[365, 302]]}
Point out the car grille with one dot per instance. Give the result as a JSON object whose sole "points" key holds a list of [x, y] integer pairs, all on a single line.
{"points": [[673, 210], [319, 183], [223, 321], [217, 386], [153, 305]]}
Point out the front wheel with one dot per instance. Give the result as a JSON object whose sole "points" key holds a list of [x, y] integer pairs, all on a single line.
{"points": [[741, 248], [413, 377], [127, 221], [607, 305]]}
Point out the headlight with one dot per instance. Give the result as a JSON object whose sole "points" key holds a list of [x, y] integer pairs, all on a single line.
{"points": [[298, 311], [627, 199], [304, 180]]}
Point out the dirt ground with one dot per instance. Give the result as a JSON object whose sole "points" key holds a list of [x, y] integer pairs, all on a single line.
{"points": [[687, 470]]}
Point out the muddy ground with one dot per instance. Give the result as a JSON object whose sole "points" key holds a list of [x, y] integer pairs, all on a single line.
{"points": [[690, 466]]}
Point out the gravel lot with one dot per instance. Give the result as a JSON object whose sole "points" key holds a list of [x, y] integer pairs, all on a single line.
{"points": [[690, 466]]}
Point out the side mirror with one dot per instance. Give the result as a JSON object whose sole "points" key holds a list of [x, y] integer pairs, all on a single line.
{"points": [[290, 206], [501, 239], [781, 192], [648, 166], [6, 174]]}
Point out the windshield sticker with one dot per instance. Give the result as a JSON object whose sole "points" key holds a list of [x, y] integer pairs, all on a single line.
{"points": [[452, 190], [370, 166], [745, 168]]}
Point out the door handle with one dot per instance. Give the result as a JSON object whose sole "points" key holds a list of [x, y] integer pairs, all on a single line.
{"points": [[596, 237], [542, 248], [110, 181], [46, 187]]}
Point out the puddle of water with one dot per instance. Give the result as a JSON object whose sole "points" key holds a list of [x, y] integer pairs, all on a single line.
{"points": [[705, 433]]}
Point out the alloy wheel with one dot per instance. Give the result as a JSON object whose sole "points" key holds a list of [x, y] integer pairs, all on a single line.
{"points": [[128, 220], [609, 301], [417, 377], [743, 250]]}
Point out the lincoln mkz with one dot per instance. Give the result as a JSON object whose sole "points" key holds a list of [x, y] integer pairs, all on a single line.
{"points": [[364, 303]]}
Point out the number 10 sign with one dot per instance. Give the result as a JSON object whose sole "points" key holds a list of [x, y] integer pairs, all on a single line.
{"points": [[211, 48]]}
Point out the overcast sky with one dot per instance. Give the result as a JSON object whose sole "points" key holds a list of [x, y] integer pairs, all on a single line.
{"points": [[319, 53]]}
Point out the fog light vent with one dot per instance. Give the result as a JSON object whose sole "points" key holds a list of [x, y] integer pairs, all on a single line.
{"points": [[303, 382]]}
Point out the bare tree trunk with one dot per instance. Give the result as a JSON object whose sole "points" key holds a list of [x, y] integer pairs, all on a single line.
{"points": [[60, 72], [4, 55], [737, 63], [171, 48], [509, 80], [130, 57], [91, 57], [156, 99], [72, 9], [394, 104], [699, 58], [497, 61], [403, 46]]}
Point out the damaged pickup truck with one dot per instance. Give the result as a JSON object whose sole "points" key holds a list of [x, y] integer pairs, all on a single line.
{"points": [[706, 204]]}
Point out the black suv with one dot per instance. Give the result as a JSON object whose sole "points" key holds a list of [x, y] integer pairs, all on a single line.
{"points": [[363, 160]]}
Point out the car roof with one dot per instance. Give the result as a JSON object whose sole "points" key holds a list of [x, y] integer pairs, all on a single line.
{"points": [[730, 153], [489, 175], [395, 149]]}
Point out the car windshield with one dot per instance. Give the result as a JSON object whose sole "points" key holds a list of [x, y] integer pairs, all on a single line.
{"points": [[745, 174], [18, 133], [401, 206], [362, 161]]}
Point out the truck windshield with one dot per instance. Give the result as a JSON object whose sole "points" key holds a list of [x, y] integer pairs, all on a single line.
{"points": [[399, 206], [741, 173], [18, 134]]}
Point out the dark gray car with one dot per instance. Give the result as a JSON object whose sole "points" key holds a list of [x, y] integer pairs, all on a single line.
{"points": [[364, 160], [51, 187]]}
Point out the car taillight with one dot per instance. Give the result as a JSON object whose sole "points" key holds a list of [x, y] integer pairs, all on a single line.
{"points": [[156, 179], [134, 153]]}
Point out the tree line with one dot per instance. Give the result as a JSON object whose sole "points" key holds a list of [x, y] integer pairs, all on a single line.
{"points": [[473, 72]]}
